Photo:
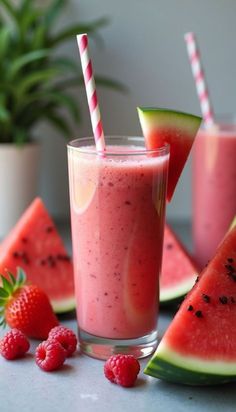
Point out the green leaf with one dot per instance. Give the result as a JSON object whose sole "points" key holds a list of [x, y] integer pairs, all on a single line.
{"points": [[2, 302], [3, 323], [27, 21], [20, 277], [3, 293], [10, 9], [36, 78], [4, 114], [53, 11], [57, 121], [12, 278], [111, 84], [63, 99], [4, 40], [39, 34], [100, 81], [27, 58], [78, 29], [25, 6], [20, 136], [7, 286], [66, 63]]}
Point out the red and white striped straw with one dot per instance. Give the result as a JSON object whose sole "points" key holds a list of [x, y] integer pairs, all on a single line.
{"points": [[199, 77], [82, 40]]}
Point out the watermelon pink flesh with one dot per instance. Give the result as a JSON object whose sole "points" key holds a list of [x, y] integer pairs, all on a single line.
{"points": [[212, 336], [35, 245], [178, 268]]}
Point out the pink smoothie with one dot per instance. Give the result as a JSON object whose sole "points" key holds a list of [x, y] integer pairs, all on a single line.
{"points": [[214, 189], [117, 232]]}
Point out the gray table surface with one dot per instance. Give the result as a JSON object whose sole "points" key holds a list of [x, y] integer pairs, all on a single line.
{"points": [[81, 386]]}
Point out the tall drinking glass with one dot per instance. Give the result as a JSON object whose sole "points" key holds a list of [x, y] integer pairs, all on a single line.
{"points": [[117, 215], [214, 187]]}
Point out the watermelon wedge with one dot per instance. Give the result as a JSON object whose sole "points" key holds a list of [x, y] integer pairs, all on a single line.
{"points": [[199, 347], [178, 129], [35, 245], [179, 271]]}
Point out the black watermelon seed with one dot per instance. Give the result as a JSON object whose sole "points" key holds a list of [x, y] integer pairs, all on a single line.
{"points": [[206, 298], [232, 275], [230, 260], [15, 254], [198, 313], [230, 268], [24, 239], [127, 202], [25, 259], [49, 229], [190, 307], [223, 300], [232, 299]]}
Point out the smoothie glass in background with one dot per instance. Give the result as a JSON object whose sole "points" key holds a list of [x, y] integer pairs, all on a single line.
{"points": [[214, 186], [117, 216]]}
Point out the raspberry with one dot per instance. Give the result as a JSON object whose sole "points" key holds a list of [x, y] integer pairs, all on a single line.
{"points": [[65, 337], [14, 344], [50, 355], [122, 369]]}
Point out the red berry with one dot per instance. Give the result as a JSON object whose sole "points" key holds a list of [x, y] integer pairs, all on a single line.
{"points": [[50, 355], [122, 369], [14, 344], [66, 337], [26, 307]]}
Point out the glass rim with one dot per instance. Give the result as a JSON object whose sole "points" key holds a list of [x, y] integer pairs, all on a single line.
{"points": [[73, 144]]}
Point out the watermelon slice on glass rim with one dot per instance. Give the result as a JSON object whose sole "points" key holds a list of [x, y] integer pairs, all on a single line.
{"points": [[199, 347], [178, 129], [35, 245], [179, 271]]}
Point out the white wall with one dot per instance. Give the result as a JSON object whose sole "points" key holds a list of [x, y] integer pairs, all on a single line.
{"points": [[144, 48]]}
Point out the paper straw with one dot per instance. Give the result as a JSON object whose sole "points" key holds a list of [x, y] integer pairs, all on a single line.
{"points": [[199, 77], [82, 40]]}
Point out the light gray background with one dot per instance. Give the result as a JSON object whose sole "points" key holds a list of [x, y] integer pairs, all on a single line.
{"points": [[144, 48]]}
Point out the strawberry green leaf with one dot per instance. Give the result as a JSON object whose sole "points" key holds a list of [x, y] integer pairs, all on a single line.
{"points": [[21, 276], [3, 293], [12, 278], [2, 322], [7, 286]]}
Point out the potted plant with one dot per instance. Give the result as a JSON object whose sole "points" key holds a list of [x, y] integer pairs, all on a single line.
{"points": [[34, 85]]}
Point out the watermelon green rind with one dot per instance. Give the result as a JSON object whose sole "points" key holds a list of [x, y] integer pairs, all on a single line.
{"points": [[63, 305], [168, 118], [233, 224], [198, 348], [172, 367], [168, 295]]}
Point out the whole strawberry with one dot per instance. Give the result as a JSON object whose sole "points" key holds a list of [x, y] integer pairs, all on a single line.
{"points": [[25, 307]]}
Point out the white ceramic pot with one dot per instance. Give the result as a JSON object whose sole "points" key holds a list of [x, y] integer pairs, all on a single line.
{"points": [[19, 170]]}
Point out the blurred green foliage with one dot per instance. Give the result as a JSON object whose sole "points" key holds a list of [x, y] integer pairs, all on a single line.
{"points": [[35, 79]]}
